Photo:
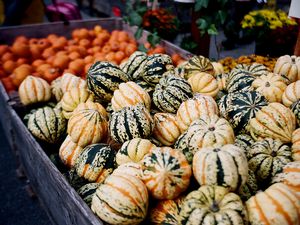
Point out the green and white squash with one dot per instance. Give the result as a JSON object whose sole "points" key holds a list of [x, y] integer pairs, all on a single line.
{"points": [[87, 191], [212, 205], [47, 124], [92, 105], [218, 68], [56, 89], [291, 93], [296, 110], [239, 80], [134, 66], [296, 145], [147, 87], [69, 81], [166, 173], [222, 82], [197, 64], [170, 93], [250, 188], [224, 166], [244, 141], [103, 78], [69, 151], [256, 69], [96, 162]]}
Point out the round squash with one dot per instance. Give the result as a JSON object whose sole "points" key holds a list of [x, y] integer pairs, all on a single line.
{"points": [[95, 162], [204, 132], [134, 150], [166, 129], [250, 188], [296, 110], [130, 168], [87, 191], [277, 205], [212, 205], [239, 80], [222, 82], [244, 141], [204, 83], [267, 158], [122, 199], [47, 124], [256, 69], [194, 108], [166, 173], [69, 81], [134, 67], [103, 78], [296, 145], [170, 93], [131, 122], [197, 64], [92, 105], [271, 86], [69, 151], [291, 93], [129, 94], [274, 121], [224, 166], [56, 89], [218, 68], [289, 67], [87, 126], [147, 87], [33, 90]]}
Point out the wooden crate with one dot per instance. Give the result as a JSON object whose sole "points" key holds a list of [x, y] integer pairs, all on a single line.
{"points": [[60, 201]]}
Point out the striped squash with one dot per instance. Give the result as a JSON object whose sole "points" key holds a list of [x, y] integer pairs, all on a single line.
{"points": [[129, 94], [277, 205], [103, 78], [290, 176], [87, 191], [244, 141], [267, 158], [95, 162], [87, 126], [122, 199], [170, 93], [291, 93], [72, 98], [130, 168], [296, 110], [205, 132], [197, 64], [204, 83], [218, 68], [134, 150], [131, 122], [134, 67], [147, 87], [274, 121], [271, 86], [222, 82], [250, 188], [166, 173], [223, 104], [212, 205], [224, 166], [288, 66], [194, 108], [92, 105], [74, 180], [166, 212], [56, 89], [33, 90], [69, 81], [69, 151], [47, 124], [296, 145], [239, 80], [241, 107], [155, 66], [166, 129], [256, 69]]}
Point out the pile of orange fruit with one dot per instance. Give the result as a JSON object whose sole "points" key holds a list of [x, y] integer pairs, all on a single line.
{"points": [[54, 55]]}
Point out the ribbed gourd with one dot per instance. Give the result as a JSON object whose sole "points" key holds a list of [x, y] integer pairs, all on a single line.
{"points": [[147, 87], [166, 129], [204, 83], [239, 80], [289, 67], [244, 141], [274, 121], [131, 122], [256, 69], [240, 107], [166, 212], [212, 205], [277, 205], [47, 124], [250, 188], [218, 68], [72, 98], [33, 90], [122, 199], [224, 166], [92, 105], [155, 66], [222, 82], [134, 67], [296, 145], [130, 168], [271, 86], [87, 126], [197, 64], [205, 132], [291, 93], [96, 162], [69, 151], [69, 81], [296, 110], [170, 92], [194, 108], [129, 94], [267, 158], [87, 191], [166, 173], [134, 150], [56, 89], [103, 78]]}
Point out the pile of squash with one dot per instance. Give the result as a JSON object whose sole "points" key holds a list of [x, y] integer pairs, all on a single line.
{"points": [[156, 144]]}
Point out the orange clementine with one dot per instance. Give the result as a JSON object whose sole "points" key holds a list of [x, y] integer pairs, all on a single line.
{"points": [[7, 56], [61, 61], [119, 56], [48, 52], [130, 48], [77, 65], [36, 63], [20, 73], [20, 49], [9, 66], [74, 55], [88, 59], [3, 49]]}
